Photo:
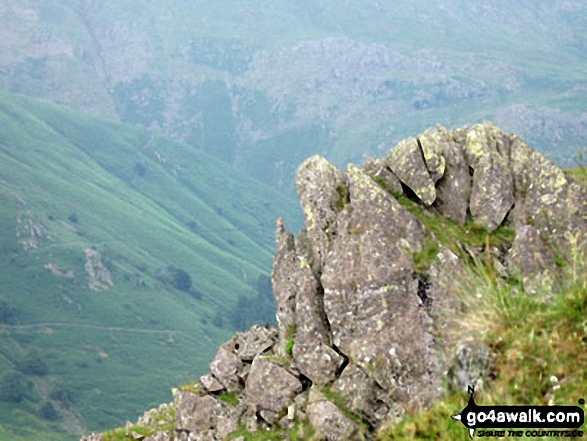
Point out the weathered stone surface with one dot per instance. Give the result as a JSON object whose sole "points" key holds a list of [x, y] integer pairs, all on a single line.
{"points": [[368, 284], [379, 171], [433, 143], [211, 384], [544, 196], [270, 388], [471, 363], [362, 320], [311, 351], [226, 367], [363, 395], [329, 422], [317, 361], [283, 277], [492, 193], [201, 413], [407, 163], [454, 187], [257, 340], [532, 260], [323, 191]]}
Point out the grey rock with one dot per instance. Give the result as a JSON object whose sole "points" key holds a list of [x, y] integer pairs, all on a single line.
{"points": [[257, 340], [322, 190], [380, 172], [283, 276], [329, 422], [311, 351], [270, 388], [204, 413], [368, 285], [211, 384], [226, 367], [545, 198], [407, 163], [434, 144], [363, 395], [492, 193], [532, 260], [454, 188]]}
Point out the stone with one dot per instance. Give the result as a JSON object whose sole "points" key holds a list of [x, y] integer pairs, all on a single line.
{"points": [[492, 192], [211, 384], [283, 276], [323, 191], [362, 395], [433, 145], [311, 351], [270, 388], [257, 340], [329, 422], [532, 260], [406, 160], [380, 172], [226, 367], [454, 187], [204, 413]]}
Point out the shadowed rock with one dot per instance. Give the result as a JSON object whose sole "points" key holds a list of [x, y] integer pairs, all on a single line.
{"points": [[322, 190], [270, 388], [357, 317], [406, 160], [492, 193], [454, 187], [379, 171], [329, 421], [532, 260]]}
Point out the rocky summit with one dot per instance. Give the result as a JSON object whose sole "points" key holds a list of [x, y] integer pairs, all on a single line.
{"points": [[368, 294]]}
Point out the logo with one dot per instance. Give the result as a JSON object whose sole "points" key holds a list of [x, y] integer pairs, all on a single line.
{"points": [[516, 418]]}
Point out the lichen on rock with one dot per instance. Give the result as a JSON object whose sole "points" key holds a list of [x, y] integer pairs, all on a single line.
{"points": [[364, 334]]}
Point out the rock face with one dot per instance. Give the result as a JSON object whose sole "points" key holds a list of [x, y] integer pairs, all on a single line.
{"points": [[363, 294]]}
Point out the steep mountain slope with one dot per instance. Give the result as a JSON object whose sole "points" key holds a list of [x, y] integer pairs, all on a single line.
{"points": [[264, 84], [457, 261], [123, 254]]}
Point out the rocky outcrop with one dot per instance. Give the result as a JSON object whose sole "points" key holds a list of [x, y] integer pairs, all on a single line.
{"points": [[367, 294]]}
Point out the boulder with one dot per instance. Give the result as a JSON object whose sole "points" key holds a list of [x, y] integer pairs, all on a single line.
{"points": [[323, 192], [200, 414], [492, 192], [406, 160], [380, 172], [532, 260], [329, 422], [453, 188], [226, 367], [270, 388]]}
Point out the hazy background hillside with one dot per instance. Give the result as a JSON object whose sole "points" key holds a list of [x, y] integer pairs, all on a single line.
{"points": [[136, 227], [263, 84], [126, 258]]}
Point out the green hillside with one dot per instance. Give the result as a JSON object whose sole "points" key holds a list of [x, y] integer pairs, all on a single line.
{"points": [[264, 84], [123, 254]]}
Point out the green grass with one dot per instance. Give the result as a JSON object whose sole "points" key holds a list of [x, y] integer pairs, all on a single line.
{"points": [[163, 421], [540, 351], [450, 234], [229, 397], [579, 174], [149, 206], [301, 432]]}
